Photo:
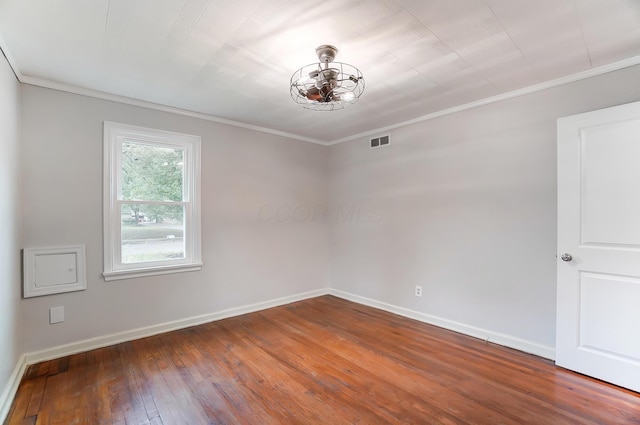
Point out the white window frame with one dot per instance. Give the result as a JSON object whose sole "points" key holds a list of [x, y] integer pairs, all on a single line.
{"points": [[115, 135]]}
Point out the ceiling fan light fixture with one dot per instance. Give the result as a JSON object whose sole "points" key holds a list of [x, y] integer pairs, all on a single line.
{"points": [[321, 87]]}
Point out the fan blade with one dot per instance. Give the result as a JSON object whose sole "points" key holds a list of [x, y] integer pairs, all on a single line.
{"points": [[314, 94]]}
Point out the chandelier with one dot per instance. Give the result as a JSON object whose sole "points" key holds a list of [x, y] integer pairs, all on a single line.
{"points": [[327, 85]]}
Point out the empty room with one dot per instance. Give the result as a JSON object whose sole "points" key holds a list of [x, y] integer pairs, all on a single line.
{"points": [[338, 212]]}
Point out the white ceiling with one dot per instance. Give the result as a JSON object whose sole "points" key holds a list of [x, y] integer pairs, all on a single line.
{"points": [[232, 59]]}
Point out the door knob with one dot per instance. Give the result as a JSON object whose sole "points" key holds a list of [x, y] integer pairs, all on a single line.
{"points": [[566, 257]]}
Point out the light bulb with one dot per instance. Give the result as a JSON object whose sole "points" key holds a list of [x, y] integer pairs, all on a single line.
{"points": [[347, 97]]}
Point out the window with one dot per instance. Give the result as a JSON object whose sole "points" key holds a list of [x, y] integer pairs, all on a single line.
{"points": [[151, 202]]}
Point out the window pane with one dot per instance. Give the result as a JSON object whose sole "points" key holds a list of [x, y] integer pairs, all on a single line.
{"points": [[151, 202], [151, 173], [152, 232]]}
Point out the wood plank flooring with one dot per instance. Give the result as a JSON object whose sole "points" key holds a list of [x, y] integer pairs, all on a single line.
{"points": [[320, 361]]}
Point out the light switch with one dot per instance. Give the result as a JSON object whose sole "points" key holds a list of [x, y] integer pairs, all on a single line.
{"points": [[56, 315]]}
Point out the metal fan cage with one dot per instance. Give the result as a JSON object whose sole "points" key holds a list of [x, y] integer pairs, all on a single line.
{"points": [[327, 86]]}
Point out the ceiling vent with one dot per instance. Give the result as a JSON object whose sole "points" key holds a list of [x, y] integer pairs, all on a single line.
{"points": [[378, 142]]}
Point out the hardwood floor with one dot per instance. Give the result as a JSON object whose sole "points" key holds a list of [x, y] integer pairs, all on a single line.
{"points": [[320, 361]]}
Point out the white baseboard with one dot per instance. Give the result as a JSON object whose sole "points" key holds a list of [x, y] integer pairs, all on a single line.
{"points": [[106, 340], [103, 341], [486, 335], [116, 338], [11, 388]]}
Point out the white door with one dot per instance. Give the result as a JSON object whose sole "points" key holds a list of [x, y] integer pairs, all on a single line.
{"points": [[598, 310]]}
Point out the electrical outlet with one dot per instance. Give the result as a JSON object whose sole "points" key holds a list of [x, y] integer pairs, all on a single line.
{"points": [[418, 291]]}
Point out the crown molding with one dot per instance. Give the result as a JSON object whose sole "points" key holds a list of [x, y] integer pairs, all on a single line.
{"points": [[10, 60], [589, 73], [592, 72], [158, 107]]}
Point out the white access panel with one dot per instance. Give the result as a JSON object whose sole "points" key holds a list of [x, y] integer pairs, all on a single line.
{"points": [[54, 270]]}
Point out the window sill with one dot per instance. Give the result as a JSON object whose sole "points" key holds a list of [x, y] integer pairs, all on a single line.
{"points": [[151, 271]]}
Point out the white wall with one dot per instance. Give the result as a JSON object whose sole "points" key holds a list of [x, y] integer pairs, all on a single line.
{"points": [[249, 255], [10, 320], [464, 205]]}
